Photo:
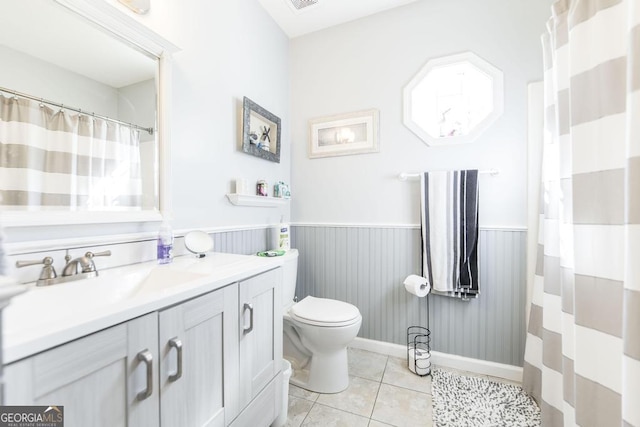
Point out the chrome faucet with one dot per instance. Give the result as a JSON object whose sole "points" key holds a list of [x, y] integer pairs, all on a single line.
{"points": [[82, 265], [79, 268]]}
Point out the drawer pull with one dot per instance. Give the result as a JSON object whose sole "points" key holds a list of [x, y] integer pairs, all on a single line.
{"points": [[248, 306], [146, 357], [177, 344]]}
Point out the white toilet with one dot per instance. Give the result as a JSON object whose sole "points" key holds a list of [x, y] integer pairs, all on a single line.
{"points": [[316, 334]]}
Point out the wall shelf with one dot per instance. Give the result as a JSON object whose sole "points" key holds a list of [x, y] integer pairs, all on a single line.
{"points": [[260, 201]]}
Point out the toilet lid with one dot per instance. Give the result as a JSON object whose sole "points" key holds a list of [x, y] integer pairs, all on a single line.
{"points": [[324, 311]]}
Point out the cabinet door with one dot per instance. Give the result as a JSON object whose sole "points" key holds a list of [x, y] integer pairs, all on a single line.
{"points": [[260, 332], [199, 353], [99, 379]]}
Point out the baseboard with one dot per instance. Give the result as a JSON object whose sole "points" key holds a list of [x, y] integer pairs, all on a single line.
{"points": [[482, 367]]}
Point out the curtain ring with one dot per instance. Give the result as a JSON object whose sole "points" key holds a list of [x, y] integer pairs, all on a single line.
{"points": [[41, 103]]}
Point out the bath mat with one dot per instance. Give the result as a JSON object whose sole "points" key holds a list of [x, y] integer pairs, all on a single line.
{"points": [[460, 401]]}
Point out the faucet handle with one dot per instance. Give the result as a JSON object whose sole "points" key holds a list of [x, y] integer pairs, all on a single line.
{"points": [[46, 260], [91, 267], [48, 272], [94, 254]]}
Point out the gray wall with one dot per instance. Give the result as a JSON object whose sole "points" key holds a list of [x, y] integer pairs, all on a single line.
{"points": [[245, 242], [366, 64], [367, 265]]}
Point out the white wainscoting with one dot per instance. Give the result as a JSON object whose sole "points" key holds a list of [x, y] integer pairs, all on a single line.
{"points": [[366, 264]]}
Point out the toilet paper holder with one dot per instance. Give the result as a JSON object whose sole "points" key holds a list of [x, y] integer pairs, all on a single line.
{"points": [[419, 350]]}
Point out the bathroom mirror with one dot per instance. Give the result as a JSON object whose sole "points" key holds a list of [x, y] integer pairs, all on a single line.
{"points": [[198, 242], [453, 99], [95, 84], [138, 6], [260, 131]]}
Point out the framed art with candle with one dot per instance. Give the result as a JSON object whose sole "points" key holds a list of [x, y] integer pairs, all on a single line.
{"points": [[344, 134]]}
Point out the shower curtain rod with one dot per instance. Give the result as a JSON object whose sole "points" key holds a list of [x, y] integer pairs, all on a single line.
{"points": [[77, 110], [405, 176]]}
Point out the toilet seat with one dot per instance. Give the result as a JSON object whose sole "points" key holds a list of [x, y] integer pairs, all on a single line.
{"points": [[324, 312]]}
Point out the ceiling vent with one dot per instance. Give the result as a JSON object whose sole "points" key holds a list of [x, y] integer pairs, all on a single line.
{"points": [[299, 5]]}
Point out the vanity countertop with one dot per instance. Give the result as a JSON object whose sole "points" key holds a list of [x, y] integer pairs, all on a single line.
{"points": [[44, 317], [9, 289]]}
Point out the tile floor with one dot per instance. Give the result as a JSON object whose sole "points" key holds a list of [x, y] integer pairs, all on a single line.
{"points": [[382, 392]]}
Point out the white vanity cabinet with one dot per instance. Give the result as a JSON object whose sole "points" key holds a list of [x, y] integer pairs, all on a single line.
{"points": [[198, 354], [101, 379], [260, 349], [212, 360]]}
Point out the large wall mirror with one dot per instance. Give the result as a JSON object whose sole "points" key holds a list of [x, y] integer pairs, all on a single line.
{"points": [[83, 121], [453, 99]]}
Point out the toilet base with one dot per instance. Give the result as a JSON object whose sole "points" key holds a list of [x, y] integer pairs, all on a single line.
{"points": [[326, 373]]}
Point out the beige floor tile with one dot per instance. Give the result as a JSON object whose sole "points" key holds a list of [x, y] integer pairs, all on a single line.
{"points": [[402, 407], [397, 373], [302, 393], [365, 364], [324, 416], [358, 398], [297, 411], [374, 423]]}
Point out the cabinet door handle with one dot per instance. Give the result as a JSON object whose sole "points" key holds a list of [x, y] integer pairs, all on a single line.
{"points": [[146, 357], [177, 344], [249, 306]]}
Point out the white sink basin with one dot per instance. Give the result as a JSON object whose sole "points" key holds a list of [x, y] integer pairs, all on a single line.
{"points": [[158, 279], [71, 299]]}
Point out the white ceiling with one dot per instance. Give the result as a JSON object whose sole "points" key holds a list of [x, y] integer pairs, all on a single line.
{"points": [[323, 14]]}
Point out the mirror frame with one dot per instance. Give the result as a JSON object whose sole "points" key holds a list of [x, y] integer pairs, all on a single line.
{"points": [[491, 71], [138, 6], [248, 108], [131, 32]]}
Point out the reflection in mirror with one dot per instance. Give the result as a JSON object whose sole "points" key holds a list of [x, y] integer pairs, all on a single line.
{"points": [[78, 115], [138, 6], [453, 99], [260, 131]]}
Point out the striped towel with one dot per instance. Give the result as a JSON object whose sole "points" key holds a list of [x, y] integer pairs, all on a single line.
{"points": [[449, 217]]}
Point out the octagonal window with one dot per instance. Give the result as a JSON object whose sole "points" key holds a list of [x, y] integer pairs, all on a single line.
{"points": [[453, 99]]}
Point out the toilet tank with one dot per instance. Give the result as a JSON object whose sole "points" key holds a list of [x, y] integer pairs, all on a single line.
{"points": [[289, 276]]}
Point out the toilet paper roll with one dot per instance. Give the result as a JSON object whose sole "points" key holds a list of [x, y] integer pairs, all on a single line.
{"points": [[417, 285], [242, 186], [419, 361]]}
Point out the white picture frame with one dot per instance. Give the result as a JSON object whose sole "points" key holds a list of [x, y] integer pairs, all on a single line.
{"points": [[344, 134]]}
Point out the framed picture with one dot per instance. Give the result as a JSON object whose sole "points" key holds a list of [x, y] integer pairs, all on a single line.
{"points": [[344, 134], [260, 131]]}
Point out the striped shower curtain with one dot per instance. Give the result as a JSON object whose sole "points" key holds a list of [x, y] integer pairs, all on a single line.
{"points": [[582, 357], [56, 159]]}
